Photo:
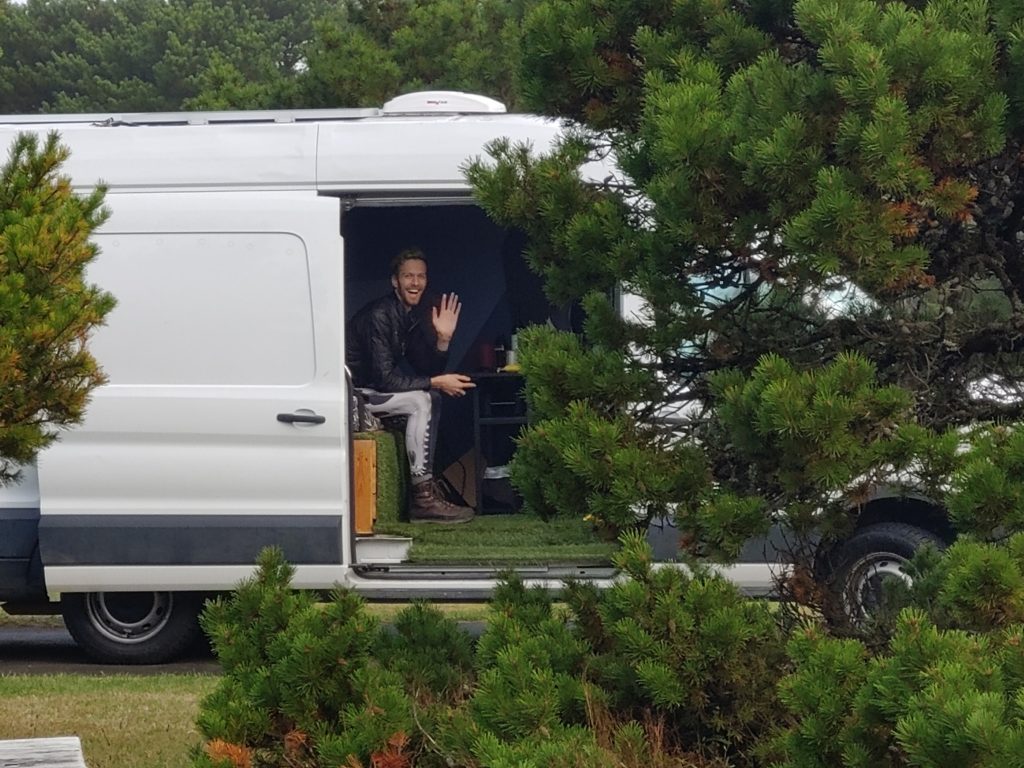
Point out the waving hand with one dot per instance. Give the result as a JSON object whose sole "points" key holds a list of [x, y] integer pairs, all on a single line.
{"points": [[446, 317]]}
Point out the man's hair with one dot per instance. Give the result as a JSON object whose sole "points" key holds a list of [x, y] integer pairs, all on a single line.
{"points": [[407, 255]]}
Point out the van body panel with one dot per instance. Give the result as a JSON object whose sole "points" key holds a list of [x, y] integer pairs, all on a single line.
{"points": [[20, 575], [19, 517], [19, 530], [223, 324], [155, 157], [369, 155], [183, 578], [164, 539], [24, 492], [20, 570], [417, 153]]}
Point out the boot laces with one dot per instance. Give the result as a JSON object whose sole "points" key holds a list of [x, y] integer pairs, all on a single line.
{"points": [[438, 495]]}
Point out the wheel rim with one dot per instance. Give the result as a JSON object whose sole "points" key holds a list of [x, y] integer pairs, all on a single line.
{"points": [[866, 591], [129, 617]]}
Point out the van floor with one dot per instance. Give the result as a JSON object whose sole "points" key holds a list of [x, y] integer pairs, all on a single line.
{"points": [[512, 539]]}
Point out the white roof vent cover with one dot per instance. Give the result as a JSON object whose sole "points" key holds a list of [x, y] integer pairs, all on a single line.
{"points": [[424, 102]]}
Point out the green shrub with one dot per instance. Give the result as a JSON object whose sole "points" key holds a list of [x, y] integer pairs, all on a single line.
{"points": [[530, 667], [664, 669], [586, 452], [937, 698], [688, 648], [987, 492], [300, 679], [378, 714], [626, 678], [562, 747], [974, 585], [946, 689], [433, 656], [685, 661]]}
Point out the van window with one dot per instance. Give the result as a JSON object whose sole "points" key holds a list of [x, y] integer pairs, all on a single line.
{"points": [[205, 309]]}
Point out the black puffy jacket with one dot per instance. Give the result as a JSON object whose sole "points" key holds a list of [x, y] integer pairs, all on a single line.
{"points": [[391, 349]]}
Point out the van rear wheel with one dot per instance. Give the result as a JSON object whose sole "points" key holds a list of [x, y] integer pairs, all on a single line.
{"points": [[132, 627], [867, 566]]}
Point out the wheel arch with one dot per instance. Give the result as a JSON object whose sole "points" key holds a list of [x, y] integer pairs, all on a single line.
{"points": [[888, 505]]}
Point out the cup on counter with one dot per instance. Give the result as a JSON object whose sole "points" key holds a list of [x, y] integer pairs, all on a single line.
{"points": [[487, 358]]}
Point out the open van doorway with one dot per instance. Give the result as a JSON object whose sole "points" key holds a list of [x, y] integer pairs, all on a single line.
{"points": [[484, 264]]}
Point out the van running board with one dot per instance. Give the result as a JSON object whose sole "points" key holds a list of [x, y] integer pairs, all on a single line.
{"points": [[407, 572], [382, 550]]}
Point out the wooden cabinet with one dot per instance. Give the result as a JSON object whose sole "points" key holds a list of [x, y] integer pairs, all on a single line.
{"points": [[364, 474]]}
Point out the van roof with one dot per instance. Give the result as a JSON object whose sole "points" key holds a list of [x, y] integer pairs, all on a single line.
{"points": [[418, 103], [418, 143]]}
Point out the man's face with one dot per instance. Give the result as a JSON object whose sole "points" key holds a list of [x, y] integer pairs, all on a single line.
{"points": [[411, 281]]}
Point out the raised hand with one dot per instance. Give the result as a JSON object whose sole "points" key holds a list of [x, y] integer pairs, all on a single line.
{"points": [[446, 317]]}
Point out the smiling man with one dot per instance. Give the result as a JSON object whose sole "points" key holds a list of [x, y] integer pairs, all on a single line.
{"points": [[397, 360]]}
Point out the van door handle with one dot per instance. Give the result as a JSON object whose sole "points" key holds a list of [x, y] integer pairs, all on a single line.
{"points": [[301, 418]]}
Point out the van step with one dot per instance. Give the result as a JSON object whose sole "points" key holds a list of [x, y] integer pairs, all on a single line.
{"points": [[382, 550], [474, 572]]}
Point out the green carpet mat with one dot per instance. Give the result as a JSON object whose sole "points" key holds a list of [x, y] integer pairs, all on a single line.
{"points": [[504, 540], [516, 539]]}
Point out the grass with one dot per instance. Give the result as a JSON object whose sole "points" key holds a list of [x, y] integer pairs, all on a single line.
{"points": [[123, 721], [11, 620], [455, 611]]}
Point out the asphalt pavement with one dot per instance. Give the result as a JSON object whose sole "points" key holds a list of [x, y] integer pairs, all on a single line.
{"points": [[50, 650], [29, 650]]}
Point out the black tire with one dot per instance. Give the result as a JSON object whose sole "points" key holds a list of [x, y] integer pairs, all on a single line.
{"points": [[859, 567], [133, 627]]}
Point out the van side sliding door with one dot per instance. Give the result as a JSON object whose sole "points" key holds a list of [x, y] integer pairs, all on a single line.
{"points": [[221, 430]]}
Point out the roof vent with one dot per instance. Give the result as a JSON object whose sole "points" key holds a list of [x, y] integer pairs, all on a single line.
{"points": [[426, 102]]}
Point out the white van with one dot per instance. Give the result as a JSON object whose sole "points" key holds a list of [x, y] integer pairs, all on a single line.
{"points": [[238, 244]]}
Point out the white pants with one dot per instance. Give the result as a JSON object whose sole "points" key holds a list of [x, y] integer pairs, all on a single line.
{"points": [[423, 412]]}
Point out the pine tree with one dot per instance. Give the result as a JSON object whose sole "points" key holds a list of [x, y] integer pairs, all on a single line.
{"points": [[820, 208], [661, 669], [47, 309], [939, 698], [301, 686]]}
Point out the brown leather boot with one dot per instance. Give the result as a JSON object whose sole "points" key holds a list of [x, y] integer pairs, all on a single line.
{"points": [[429, 506]]}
